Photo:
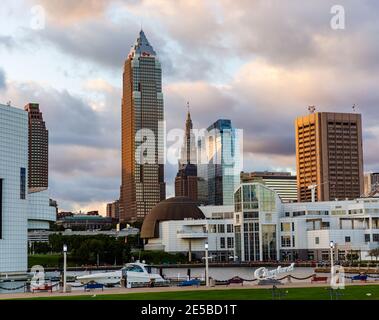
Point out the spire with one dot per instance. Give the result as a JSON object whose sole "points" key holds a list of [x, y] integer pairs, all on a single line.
{"points": [[142, 47], [188, 113]]}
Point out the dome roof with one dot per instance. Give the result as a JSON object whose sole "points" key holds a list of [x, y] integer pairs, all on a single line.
{"points": [[178, 208]]}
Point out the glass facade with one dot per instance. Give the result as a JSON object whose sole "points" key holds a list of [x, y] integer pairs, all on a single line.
{"points": [[255, 206], [220, 163]]}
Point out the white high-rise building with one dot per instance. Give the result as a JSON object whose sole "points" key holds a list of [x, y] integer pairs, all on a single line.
{"points": [[17, 206]]}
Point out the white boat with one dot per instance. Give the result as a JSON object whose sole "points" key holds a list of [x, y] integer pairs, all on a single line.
{"points": [[133, 272]]}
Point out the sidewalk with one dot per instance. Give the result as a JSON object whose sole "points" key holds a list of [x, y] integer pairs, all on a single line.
{"points": [[166, 289]]}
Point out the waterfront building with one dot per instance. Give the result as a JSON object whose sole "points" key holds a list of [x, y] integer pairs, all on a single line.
{"points": [[38, 170], [43, 235], [142, 176], [219, 163], [178, 225], [186, 179], [19, 209], [267, 229], [284, 183], [256, 216], [86, 222], [371, 182], [329, 156], [260, 227]]}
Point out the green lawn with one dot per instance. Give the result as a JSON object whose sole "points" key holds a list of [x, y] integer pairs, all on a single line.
{"points": [[45, 260], [316, 293]]}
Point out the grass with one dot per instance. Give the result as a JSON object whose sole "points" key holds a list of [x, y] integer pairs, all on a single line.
{"points": [[45, 260], [315, 293]]}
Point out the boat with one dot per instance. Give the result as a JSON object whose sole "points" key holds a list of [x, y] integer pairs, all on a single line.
{"points": [[135, 272]]}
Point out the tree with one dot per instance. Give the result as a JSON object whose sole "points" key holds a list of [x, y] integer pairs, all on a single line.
{"points": [[374, 253]]}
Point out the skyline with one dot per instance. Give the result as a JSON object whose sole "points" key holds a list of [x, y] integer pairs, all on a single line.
{"points": [[73, 67]]}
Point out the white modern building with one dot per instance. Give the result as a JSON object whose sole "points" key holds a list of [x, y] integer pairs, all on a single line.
{"points": [[178, 225], [18, 208], [267, 229], [260, 227]]}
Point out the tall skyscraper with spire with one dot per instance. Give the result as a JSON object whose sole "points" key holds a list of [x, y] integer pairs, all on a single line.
{"points": [[142, 178], [186, 179]]}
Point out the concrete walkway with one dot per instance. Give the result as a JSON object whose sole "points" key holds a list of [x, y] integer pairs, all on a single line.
{"points": [[167, 289]]}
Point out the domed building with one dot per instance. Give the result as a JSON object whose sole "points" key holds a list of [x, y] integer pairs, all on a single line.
{"points": [[177, 208], [179, 225]]}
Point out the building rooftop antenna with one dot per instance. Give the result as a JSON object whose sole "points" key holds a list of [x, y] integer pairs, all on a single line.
{"points": [[312, 109], [354, 107]]}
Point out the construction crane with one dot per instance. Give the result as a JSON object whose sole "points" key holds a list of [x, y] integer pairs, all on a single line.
{"points": [[313, 188]]}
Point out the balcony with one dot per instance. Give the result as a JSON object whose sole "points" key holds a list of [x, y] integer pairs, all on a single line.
{"points": [[191, 234]]}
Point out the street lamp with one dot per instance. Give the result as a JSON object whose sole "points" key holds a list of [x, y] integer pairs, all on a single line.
{"points": [[332, 246], [64, 266], [206, 265]]}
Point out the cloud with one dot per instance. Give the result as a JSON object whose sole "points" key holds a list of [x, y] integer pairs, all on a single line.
{"points": [[72, 11], [84, 140], [258, 63], [7, 42]]}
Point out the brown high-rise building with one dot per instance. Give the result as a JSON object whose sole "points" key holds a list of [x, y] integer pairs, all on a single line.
{"points": [[186, 179], [38, 172], [142, 178], [329, 156]]}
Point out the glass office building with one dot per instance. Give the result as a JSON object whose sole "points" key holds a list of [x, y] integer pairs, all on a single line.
{"points": [[220, 164]]}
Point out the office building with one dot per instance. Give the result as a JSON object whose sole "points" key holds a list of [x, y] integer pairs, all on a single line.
{"points": [[142, 178], [284, 183], [329, 156], [219, 163], [38, 171], [186, 179], [113, 210]]}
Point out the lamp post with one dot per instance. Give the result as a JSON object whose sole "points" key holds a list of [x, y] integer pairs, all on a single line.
{"points": [[332, 246], [64, 266], [206, 265]]}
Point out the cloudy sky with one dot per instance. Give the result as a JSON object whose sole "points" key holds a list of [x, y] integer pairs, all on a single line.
{"points": [[259, 63]]}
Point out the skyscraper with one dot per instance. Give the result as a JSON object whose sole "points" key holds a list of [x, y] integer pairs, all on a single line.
{"points": [[329, 156], [186, 179], [142, 178], [38, 171], [219, 164]]}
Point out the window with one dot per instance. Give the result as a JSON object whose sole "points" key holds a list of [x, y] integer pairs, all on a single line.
{"points": [[221, 228], [286, 241], [230, 243], [375, 237], [317, 240], [22, 183], [367, 238], [222, 243], [285, 226], [347, 239], [293, 241], [229, 228], [212, 228]]}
